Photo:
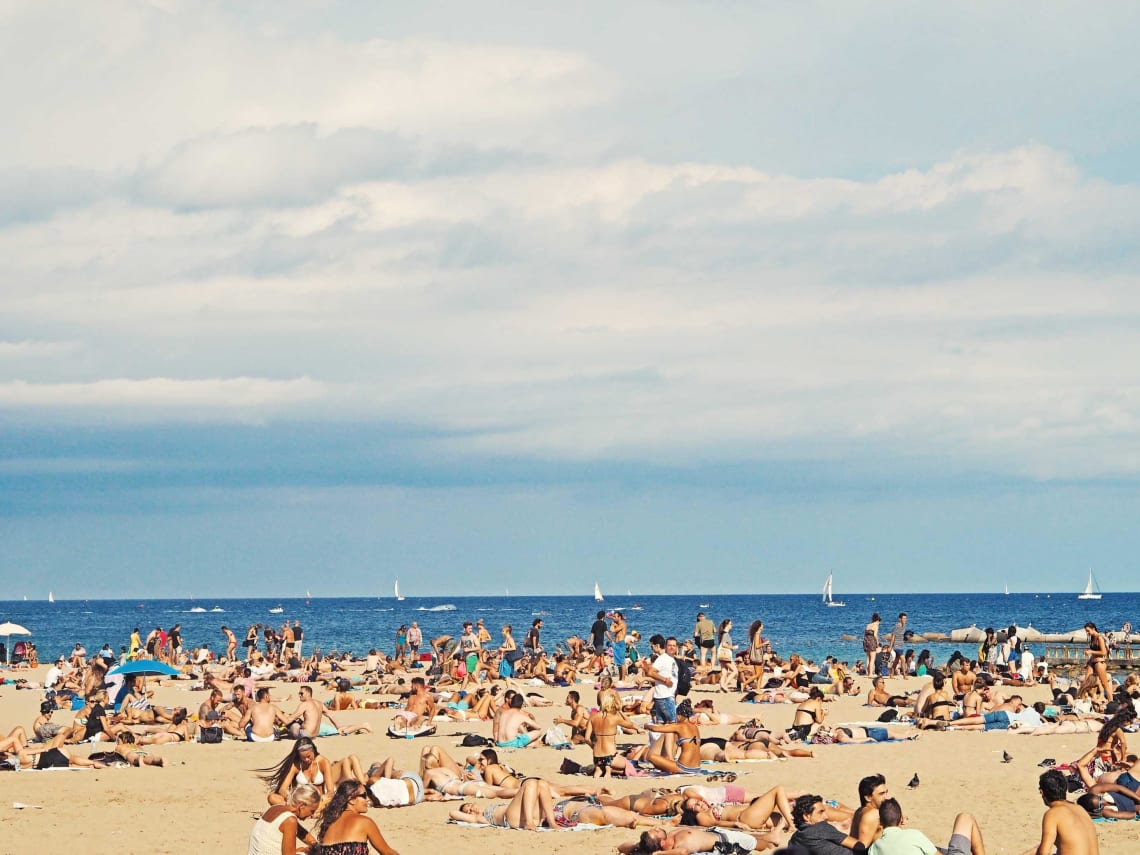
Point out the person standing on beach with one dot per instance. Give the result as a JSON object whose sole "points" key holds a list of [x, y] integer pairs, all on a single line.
{"points": [[415, 639], [871, 641], [598, 632], [298, 638], [231, 643], [663, 672], [175, 643], [898, 645], [617, 636], [533, 642], [704, 635], [136, 645], [286, 641], [1065, 828]]}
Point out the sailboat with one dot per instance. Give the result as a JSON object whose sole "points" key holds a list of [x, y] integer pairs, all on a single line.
{"points": [[51, 597], [1006, 590], [398, 597], [827, 600], [1090, 592], [598, 594]]}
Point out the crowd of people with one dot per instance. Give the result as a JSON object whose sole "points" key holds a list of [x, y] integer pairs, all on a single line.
{"points": [[641, 695]]}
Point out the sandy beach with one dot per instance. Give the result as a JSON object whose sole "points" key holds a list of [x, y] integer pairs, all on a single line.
{"points": [[208, 796]]}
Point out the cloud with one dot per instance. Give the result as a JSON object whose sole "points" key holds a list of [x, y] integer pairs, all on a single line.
{"points": [[184, 399]]}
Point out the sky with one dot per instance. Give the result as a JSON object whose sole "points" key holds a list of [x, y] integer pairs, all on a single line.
{"points": [[702, 297]]}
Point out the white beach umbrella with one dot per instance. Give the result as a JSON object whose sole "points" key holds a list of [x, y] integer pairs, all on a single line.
{"points": [[9, 629]]}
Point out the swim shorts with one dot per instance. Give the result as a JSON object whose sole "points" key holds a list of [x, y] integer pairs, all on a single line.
{"points": [[520, 741], [879, 734]]}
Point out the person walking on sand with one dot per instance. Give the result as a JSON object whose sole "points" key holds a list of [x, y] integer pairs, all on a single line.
{"points": [[704, 636], [231, 643], [871, 641], [898, 646]]}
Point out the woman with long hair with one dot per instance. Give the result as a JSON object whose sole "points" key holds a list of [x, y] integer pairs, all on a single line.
{"points": [[871, 641], [726, 656], [345, 830], [1110, 742], [304, 764], [278, 830], [1098, 658]]}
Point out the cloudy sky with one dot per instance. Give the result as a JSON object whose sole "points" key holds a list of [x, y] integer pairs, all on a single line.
{"points": [[695, 296]]}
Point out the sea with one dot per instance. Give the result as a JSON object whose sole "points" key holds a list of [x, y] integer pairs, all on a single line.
{"points": [[793, 623]]}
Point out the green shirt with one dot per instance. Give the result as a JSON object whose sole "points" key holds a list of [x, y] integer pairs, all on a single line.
{"points": [[903, 841]]}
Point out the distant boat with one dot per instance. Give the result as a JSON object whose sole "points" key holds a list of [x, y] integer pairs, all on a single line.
{"points": [[276, 611], [217, 609], [198, 610], [628, 592], [598, 594], [51, 597], [635, 607], [1007, 590], [704, 605], [446, 607], [827, 600], [1091, 591], [399, 599], [307, 594]]}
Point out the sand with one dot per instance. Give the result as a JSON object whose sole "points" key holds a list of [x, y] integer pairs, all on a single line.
{"points": [[208, 798]]}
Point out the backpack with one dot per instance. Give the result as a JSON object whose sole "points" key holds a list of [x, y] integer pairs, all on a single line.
{"points": [[684, 677]]}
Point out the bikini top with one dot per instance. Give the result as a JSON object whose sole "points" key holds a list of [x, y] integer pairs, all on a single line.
{"points": [[302, 778]]}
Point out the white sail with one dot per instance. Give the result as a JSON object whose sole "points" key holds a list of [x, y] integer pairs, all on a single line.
{"points": [[1006, 589], [1090, 592], [51, 597], [827, 599], [397, 589], [598, 594]]}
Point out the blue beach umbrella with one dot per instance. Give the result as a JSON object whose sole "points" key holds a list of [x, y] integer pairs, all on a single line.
{"points": [[145, 668]]}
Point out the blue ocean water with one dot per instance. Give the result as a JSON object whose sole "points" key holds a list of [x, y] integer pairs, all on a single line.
{"points": [[792, 622]]}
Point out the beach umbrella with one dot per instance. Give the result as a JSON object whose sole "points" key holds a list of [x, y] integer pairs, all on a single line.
{"points": [[9, 629], [144, 668]]}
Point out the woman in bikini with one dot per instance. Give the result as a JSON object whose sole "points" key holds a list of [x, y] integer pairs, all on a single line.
{"points": [[683, 736], [177, 731], [304, 764], [345, 830], [602, 730], [705, 713], [1098, 658], [648, 803], [531, 808], [939, 705], [440, 772], [809, 715], [755, 815]]}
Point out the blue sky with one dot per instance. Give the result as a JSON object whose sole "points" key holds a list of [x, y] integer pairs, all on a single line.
{"points": [[680, 296]]}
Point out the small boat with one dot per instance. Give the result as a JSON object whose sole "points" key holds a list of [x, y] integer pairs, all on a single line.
{"points": [[827, 600], [51, 597], [399, 599], [1006, 591], [636, 607], [598, 598], [1091, 591], [217, 609], [446, 607], [307, 594], [704, 605], [198, 610], [276, 611]]}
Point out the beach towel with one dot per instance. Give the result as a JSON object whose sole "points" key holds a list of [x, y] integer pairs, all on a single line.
{"points": [[581, 826]]}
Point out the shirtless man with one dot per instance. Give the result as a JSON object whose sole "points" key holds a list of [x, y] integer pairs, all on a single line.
{"points": [[237, 710], [516, 728], [208, 711], [689, 841], [420, 707], [306, 719], [878, 696], [577, 718], [964, 679], [231, 643], [865, 825], [261, 719], [1065, 828]]}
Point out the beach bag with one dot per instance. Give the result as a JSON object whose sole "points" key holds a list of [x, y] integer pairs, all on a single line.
{"points": [[570, 767], [474, 740], [755, 655], [724, 653], [889, 715], [210, 735], [513, 656], [556, 736]]}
